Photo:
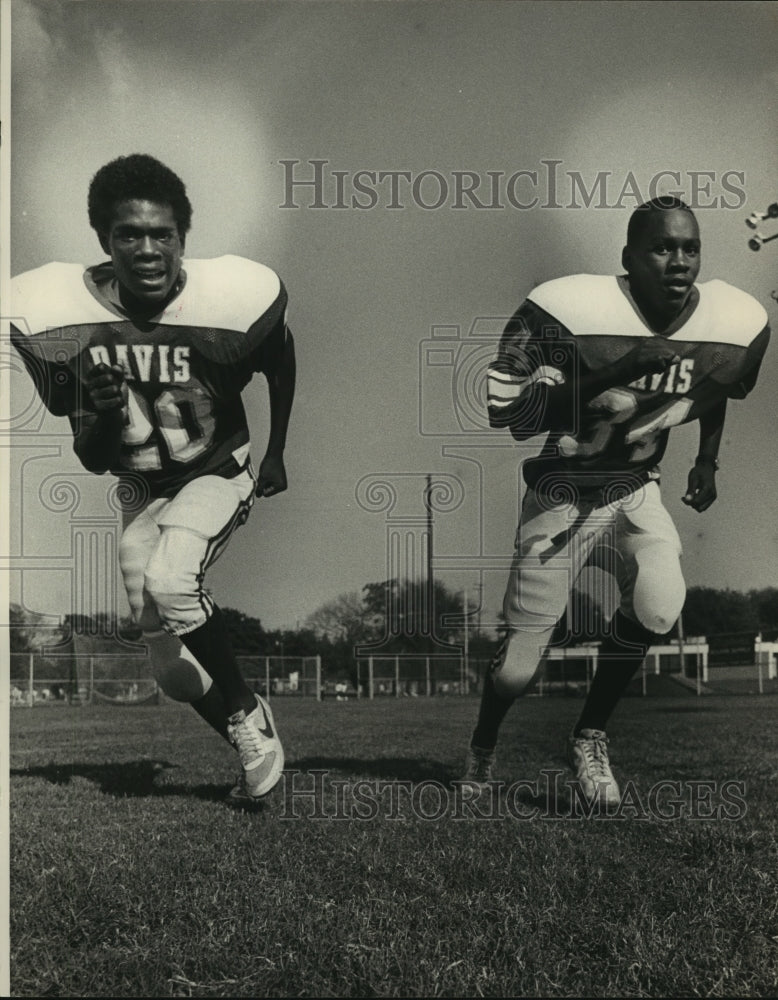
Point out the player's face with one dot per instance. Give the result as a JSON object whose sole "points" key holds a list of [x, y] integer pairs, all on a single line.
{"points": [[146, 250], [665, 261]]}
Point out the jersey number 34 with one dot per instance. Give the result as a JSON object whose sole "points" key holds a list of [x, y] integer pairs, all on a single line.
{"points": [[618, 408]]}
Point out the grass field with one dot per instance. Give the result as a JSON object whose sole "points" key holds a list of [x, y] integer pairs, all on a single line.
{"points": [[131, 878]]}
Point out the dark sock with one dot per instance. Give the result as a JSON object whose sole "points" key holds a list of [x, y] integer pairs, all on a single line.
{"points": [[210, 643], [211, 708], [490, 716], [621, 656]]}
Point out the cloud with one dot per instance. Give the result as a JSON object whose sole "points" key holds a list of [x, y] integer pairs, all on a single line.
{"points": [[37, 47], [115, 63]]}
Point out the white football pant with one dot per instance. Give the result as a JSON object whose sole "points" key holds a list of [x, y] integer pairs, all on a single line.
{"points": [[555, 543], [166, 548]]}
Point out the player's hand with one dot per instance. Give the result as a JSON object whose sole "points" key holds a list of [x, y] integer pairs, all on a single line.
{"points": [[106, 387], [652, 354], [701, 487], [272, 476]]}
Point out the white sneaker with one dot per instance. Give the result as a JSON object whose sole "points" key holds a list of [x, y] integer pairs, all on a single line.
{"points": [[260, 751], [588, 756], [479, 767]]}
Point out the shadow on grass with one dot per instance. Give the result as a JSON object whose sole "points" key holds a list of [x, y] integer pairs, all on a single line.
{"points": [[131, 779], [149, 778], [385, 768], [141, 779]]}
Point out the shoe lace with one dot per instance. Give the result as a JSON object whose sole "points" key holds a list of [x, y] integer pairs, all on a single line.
{"points": [[596, 753], [247, 741]]}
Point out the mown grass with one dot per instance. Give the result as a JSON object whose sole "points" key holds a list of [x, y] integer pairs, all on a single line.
{"points": [[130, 877]]}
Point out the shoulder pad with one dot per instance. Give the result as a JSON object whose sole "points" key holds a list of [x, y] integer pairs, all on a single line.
{"points": [[228, 293], [51, 297], [589, 305], [725, 315]]}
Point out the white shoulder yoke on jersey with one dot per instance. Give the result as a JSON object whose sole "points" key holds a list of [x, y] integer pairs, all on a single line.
{"points": [[594, 305], [228, 293], [725, 315], [54, 296]]}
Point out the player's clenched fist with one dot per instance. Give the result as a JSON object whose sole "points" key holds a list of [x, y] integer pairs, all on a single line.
{"points": [[106, 387], [272, 476], [652, 354], [701, 488]]}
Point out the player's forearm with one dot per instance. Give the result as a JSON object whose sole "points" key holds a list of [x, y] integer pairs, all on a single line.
{"points": [[558, 408], [566, 402], [281, 386], [526, 417], [711, 430], [98, 443]]}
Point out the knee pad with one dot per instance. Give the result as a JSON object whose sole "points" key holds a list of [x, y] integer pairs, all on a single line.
{"points": [[519, 661], [175, 669], [659, 591], [181, 603]]}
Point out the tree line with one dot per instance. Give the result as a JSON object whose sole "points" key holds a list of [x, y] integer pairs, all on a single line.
{"points": [[403, 617]]}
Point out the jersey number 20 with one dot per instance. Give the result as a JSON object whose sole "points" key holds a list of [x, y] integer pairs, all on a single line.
{"points": [[183, 417]]}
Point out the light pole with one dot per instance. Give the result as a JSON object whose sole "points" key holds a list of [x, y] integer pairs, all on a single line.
{"points": [[466, 657], [681, 646]]}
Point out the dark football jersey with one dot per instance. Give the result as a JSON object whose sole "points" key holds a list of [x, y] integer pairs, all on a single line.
{"points": [[579, 324], [184, 368]]}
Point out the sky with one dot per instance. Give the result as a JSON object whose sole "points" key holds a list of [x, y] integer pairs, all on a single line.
{"points": [[394, 305]]}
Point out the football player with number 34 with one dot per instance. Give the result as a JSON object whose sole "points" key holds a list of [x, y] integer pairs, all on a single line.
{"points": [[147, 356], [607, 365]]}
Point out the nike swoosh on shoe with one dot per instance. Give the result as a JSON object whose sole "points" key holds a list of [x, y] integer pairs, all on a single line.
{"points": [[267, 731]]}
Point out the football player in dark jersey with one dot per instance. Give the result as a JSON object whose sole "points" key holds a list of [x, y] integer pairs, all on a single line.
{"points": [[607, 365], [147, 355]]}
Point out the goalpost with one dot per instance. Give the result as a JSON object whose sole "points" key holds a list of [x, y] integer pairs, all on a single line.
{"points": [[280, 676], [417, 675]]}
